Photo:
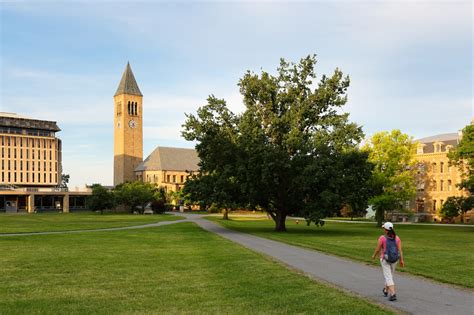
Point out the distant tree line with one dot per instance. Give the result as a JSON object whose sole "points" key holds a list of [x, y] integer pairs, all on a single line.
{"points": [[133, 196]]}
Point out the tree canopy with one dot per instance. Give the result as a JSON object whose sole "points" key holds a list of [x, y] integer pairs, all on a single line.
{"points": [[100, 199], [392, 153], [292, 151], [463, 157]]}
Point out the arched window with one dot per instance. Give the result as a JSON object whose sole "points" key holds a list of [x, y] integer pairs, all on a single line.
{"points": [[434, 167], [441, 167], [136, 108], [441, 184], [129, 108]]}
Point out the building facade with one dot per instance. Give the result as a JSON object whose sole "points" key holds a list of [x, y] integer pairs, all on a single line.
{"points": [[128, 128], [30, 152], [436, 179], [168, 167], [31, 167]]}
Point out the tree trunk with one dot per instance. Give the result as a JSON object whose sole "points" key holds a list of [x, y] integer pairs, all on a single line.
{"points": [[226, 214], [280, 221], [379, 216]]}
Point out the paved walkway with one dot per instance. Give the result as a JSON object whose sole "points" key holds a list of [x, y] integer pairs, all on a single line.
{"points": [[416, 295]]}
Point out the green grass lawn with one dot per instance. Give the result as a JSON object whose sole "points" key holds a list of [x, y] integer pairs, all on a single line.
{"points": [[442, 253], [171, 269], [21, 223]]}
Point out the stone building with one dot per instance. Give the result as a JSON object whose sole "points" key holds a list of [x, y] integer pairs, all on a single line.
{"points": [[166, 167], [31, 152], [436, 179], [128, 128], [31, 167]]}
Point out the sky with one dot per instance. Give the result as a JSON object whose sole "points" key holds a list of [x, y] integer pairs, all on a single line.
{"points": [[410, 64]]}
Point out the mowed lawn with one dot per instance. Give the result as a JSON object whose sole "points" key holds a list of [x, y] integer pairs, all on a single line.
{"points": [[443, 253], [171, 269], [41, 222]]}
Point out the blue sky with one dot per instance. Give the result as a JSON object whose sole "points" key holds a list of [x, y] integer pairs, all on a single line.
{"points": [[410, 63]]}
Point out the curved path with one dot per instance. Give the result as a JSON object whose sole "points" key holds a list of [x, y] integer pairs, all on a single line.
{"points": [[416, 295], [132, 227]]}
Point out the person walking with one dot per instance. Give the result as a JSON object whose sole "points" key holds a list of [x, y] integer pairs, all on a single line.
{"points": [[389, 246]]}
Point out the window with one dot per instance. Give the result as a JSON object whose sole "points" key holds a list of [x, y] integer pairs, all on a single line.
{"points": [[129, 108], [449, 185], [435, 188], [434, 167], [441, 184], [168, 177], [441, 167], [434, 205], [174, 178], [182, 179]]}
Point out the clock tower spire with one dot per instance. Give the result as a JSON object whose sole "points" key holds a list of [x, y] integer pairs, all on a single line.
{"points": [[128, 131]]}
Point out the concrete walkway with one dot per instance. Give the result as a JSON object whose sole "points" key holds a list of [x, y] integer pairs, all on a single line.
{"points": [[415, 295], [133, 227]]}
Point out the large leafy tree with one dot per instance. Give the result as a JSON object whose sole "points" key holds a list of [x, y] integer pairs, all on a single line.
{"points": [[135, 195], [101, 199], [215, 129], [292, 151], [463, 157], [392, 153]]}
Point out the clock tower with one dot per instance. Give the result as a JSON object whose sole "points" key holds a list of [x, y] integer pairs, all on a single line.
{"points": [[128, 128]]}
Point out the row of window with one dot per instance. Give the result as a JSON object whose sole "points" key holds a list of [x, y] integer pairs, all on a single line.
{"points": [[132, 108], [169, 179], [7, 154], [27, 142], [29, 132], [12, 165], [443, 186], [441, 168], [12, 177]]}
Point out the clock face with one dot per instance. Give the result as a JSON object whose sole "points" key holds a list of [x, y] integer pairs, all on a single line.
{"points": [[132, 123]]}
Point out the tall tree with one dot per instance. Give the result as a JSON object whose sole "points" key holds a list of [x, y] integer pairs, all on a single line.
{"points": [[463, 157], [101, 199], [392, 153], [135, 195], [292, 151]]}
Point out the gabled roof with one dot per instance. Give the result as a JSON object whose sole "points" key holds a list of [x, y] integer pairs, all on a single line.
{"points": [[447, 138], [442, 138], [170, 159], [128, 84]]}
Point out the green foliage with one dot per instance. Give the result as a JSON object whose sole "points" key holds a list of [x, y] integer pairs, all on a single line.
{"points": [[135, 195], [455, 206], [101, 199], [463, 157], [64, 180], [158, 206], [392, 153], [291, 152]]}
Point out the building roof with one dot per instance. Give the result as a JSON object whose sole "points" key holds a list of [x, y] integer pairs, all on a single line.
{"points": [[442, 138], [128, 84], [170, 159], [446, 138], [18, 121]]}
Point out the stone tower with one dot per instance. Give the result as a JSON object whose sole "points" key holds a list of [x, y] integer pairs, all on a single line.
{"points": [[128, 130]]}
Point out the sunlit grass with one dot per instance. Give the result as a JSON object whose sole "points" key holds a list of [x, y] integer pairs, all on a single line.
{"points": [[21, 223], [442, 253], [171, 269]]}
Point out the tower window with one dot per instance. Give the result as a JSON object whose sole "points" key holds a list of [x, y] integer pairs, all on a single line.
{"points": [[136, 109], [129, 108]]}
